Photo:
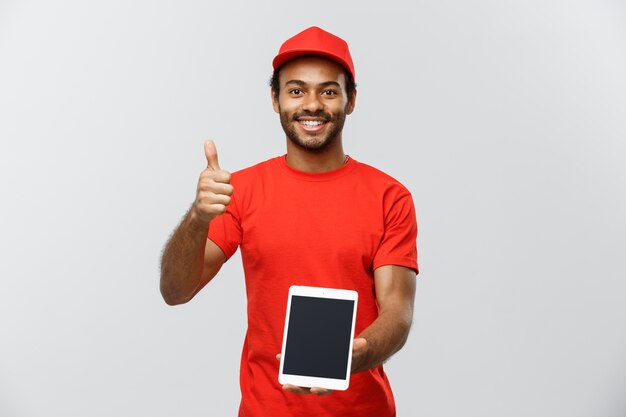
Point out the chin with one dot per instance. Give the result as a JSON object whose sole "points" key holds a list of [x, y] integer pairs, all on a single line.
{"points": [[312, 145]]}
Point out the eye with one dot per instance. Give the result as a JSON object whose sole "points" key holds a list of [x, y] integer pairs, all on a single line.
{"points": [[295, 91], [329, 93]]}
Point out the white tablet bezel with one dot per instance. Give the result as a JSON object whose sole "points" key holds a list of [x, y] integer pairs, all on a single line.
{"points": [[312, 381]]}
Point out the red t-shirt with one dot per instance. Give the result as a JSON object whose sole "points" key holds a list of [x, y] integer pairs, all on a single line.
{"points": [[330, 229]]}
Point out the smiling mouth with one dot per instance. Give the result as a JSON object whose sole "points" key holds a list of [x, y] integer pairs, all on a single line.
{"points": [[311, 125]]}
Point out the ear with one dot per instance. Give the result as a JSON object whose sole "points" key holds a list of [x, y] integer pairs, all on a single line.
{"points": [[275, 104], [351, 103]]}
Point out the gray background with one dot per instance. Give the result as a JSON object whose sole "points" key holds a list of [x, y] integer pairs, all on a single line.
{"points": [[506, 120]]}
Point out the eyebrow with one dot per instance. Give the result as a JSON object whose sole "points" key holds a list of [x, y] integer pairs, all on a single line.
{"points": [[324, 84]]}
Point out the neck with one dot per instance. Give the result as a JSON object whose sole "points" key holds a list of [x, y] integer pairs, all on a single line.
{"points": [[308, 161]]}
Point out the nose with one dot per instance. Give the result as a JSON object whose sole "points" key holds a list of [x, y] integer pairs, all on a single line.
{"points": [[312, 103]]}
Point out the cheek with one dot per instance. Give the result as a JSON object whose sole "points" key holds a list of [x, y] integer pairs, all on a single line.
{"points": [[340, 107], [287, 106]]}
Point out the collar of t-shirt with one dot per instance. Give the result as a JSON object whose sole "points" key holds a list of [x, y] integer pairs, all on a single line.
{"points": [[318, 176]]}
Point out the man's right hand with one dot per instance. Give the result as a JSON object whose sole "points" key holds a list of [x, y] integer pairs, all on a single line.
{"points": [[214, 189]]}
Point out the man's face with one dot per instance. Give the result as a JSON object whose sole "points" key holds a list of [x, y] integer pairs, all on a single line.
{"points": [[312, 102]]}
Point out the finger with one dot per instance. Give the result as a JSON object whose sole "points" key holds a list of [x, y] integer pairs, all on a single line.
{"points": [[278, 357], [223, 188], [210, 151], [213, 198], [219, 176], [320, 391], [208, 185], [296, 390], [212, 209]]}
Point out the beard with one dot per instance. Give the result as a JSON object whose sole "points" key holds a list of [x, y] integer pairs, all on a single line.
{"points": [[314, 142]]}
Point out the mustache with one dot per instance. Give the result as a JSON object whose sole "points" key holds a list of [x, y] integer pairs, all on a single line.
{"points": [[318, 114]]}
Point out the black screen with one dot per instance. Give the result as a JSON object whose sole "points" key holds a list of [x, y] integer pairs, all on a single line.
{"points": [[318, 337]]}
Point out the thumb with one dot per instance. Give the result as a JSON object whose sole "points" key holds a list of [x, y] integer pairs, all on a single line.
{"points": [[359, 344], [211, 155]]}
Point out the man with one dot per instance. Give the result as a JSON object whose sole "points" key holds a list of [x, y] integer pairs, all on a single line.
{"points": [[313, 217]]}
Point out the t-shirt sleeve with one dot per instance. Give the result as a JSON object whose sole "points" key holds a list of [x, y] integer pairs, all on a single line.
{"points": [[225, 230], [398, 245]]}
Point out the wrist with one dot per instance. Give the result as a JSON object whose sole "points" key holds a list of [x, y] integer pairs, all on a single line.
{"points": [[196, 219]]}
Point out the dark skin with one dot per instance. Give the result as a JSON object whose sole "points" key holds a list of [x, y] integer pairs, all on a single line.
{"points": [[313, 89], [312, 102]]}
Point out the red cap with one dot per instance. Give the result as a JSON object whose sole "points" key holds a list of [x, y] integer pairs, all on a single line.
{"points": [[315, 41]]}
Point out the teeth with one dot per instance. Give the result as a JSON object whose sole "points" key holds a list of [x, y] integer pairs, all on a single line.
{"points": [[311, 123]]}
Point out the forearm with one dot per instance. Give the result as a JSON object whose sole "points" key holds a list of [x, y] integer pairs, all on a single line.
{"points": [[182, 261], [385, 336], [395, 294]]}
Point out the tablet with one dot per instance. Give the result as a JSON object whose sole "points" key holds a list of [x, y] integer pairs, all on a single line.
{"points": [[318, 336]]}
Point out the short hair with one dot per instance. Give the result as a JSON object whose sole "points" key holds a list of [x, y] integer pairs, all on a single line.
{"points": [[350, 84]]}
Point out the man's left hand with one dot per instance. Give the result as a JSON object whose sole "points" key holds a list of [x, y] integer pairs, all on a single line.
{"points": [[359, 347]]}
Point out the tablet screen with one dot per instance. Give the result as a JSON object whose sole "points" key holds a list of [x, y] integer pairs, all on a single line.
{"points": [[318, 337]]}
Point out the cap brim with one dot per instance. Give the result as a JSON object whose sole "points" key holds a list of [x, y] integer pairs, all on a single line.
{"points": [[284, 57]]}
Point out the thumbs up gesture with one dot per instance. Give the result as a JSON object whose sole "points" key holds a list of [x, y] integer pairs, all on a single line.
{"points": [[214, 189]]}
